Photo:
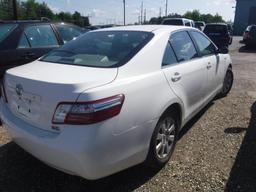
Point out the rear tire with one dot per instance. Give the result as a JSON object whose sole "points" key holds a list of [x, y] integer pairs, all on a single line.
{"points": [[228, 83], [163, 141]]}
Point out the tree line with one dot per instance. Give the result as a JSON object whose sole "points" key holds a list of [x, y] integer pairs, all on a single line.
{"points": [[194, 15], [31, 9]]}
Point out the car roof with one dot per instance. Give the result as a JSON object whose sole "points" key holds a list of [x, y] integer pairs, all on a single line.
{"points": [[33, 22], [22, 21], [146, 28]]}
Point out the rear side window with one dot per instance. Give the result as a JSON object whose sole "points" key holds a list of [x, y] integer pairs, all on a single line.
{"points": [[68, 33], [23, 43], [187, 23], [5, 30], [183, 46], [169, 56], [101, 49], [204, 45], [39, 36]]}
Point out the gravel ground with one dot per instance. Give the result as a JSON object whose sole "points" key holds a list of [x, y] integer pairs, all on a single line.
{"points": [[216, 151]]}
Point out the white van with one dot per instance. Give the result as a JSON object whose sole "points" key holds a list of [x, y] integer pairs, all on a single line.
{"points": [[178, 21]]}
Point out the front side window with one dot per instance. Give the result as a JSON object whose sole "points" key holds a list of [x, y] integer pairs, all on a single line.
{"points": [[5, 30], [68, 33], [100, 49], [169, 56], [41, 36], [205, 46], [183, 46]]}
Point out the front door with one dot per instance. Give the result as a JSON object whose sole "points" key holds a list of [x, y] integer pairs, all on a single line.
{"points": [[188, 77], [207, 52]]}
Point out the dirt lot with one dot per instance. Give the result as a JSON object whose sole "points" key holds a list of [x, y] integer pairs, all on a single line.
{"points": [[216, 150]]}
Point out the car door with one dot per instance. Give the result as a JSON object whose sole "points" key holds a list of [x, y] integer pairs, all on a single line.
{"points": [[188, 76], [35, 41], [207, 52]]}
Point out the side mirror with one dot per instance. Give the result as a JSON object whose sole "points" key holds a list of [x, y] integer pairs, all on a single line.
{"points": [[222, 50]]}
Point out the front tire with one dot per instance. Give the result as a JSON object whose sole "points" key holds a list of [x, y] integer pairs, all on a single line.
{"points": [[163, 141]]}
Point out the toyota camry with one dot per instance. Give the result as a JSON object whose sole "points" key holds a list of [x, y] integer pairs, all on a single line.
{"points": [[113, 98]]}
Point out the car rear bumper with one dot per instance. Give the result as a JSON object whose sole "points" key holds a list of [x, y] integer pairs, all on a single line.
{"points": [[94, 155]]}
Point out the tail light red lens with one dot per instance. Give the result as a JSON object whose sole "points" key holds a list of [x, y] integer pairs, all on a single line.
{"points": [[88, 112]]}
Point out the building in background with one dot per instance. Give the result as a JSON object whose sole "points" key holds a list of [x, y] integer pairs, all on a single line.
{"points": [[245, 15]]}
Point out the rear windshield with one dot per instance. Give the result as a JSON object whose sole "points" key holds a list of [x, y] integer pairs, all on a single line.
{"points": [[173, 22], [215, 29], [100, 49], [5, 30], [199, 24]]}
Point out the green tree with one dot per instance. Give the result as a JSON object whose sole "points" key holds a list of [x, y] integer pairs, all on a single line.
{"points": [[77, 19]]}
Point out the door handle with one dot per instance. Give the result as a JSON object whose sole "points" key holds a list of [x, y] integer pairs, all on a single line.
{"points": [[209, 66], [176, 77]]}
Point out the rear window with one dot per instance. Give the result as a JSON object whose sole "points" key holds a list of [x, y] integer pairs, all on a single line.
{"points": [[69, 33], [215, 29], [173, 22], [5, 30], [100, 49]]}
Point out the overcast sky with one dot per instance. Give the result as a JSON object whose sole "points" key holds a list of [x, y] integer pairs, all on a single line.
{"points": [[111, 11]]}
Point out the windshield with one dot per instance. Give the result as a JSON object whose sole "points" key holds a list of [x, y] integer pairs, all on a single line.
{"points": [[173, 22], [100, 49], [5, 30]]}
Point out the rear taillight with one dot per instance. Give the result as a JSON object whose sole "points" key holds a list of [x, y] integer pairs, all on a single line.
{"points": [[88, 112]]}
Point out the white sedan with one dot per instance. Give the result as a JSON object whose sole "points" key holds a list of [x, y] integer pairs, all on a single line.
{"points": [[113, 98]]}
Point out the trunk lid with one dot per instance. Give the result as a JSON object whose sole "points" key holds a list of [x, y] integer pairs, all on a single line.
{"points": [[34, 90]]}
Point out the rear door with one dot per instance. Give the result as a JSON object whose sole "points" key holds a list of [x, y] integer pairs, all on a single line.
{"points": [[185, 72], [35, 41], [207, 52]]}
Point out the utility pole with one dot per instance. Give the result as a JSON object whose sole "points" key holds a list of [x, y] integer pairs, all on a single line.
{"points": [[14, 6], [166, 7], [124, 11], [160, 12], [141, 13], [145, 16]]}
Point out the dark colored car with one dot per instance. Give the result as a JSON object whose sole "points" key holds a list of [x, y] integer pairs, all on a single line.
{"points": [[24, 41], [200, 25], [249, 37], [220, 33]]}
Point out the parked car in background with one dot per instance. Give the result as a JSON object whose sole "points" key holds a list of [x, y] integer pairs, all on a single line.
{"points": [[179, 22], [219, 33], [200, 25], [249, 37], [95, 122], [24, 41]]}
